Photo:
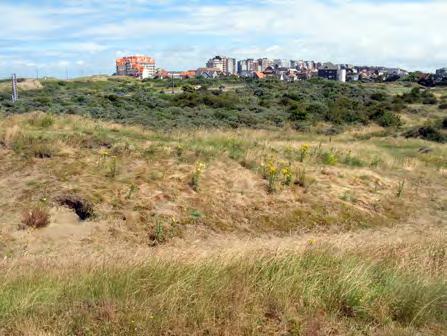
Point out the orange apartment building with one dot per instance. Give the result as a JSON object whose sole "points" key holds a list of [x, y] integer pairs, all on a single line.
{"points": [[136, 66]]}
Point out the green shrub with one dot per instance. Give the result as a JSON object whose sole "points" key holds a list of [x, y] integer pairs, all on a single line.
{"points": [[329, 158], [256, 104], [389, 119], [426, 132]]}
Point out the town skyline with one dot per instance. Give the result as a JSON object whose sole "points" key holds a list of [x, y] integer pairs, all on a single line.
{"points": [[84, 37], [278, 62]]}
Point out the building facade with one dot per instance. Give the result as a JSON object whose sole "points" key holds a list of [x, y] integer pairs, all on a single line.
{"points": [[329, 71], [225, 64], [264, 63], [136, 66], [209, 73], [249, 65]]}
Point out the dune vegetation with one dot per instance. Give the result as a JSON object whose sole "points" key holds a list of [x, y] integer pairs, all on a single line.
{"points": [[328, 218]]}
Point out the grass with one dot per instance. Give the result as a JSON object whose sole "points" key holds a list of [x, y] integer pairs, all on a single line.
{"points": [[258, 294], [147, 255], [250, 174]]}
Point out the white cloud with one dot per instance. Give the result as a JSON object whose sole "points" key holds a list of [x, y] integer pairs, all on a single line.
{"points": [[20, 22], [407, 34], [356, 32]]}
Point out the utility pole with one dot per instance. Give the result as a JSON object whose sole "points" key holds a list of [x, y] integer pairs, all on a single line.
{"points": [[172, 77], [15, 95], [66, 73]]}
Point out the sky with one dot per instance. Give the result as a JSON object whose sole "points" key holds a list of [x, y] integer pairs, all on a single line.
{"points": [[84, 37]]}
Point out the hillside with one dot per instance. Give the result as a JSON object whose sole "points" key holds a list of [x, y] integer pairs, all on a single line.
{"points": [[338, 228]]}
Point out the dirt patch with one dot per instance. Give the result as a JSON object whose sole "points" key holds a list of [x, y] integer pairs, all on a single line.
{"points": [[82, 207]]}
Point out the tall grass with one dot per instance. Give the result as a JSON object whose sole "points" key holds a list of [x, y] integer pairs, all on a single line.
{"points": [[238, 296]]}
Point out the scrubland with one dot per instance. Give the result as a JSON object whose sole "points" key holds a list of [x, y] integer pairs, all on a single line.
{"points": [[112, 229]]}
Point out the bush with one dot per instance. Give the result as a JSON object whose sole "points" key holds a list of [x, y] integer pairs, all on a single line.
{"points": [[381, 114], [426, 132], [297, 112], [379, 96], [443, 106], [36, 218], [389, 119], [317, 109], [256, 104]]}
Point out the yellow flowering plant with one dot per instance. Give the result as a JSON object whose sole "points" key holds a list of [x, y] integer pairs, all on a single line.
{"points": [[270, 172], [286, 173], [304, 150], [197, 174]]}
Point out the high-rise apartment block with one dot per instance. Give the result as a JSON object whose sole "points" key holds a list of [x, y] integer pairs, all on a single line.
{"points": [[225, 64], [247, 65], [264, 63]]}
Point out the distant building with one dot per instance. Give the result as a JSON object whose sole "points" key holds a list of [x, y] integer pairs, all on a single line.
{"points": [[161, 74], [231, 66], [189, 74], [225, 64], [246, 74], [263, 63], [269, 71], [281, 63], [247, 65], [175, 74], [328, 71], [216, 62], [311, 65], [395, 71], [136, 66], [341, 76], [441, 73], [209, 73]]}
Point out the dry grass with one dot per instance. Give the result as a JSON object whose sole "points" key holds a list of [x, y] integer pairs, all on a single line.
{"points": [[36, 218], [137, 178], [321, 289], [342, 248]]}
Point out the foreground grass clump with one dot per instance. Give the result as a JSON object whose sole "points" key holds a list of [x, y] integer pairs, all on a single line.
{"points": [[36, 218], [263, 294]]}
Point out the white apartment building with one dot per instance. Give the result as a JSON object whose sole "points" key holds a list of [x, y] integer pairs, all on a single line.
{"points": [[225, 64]]}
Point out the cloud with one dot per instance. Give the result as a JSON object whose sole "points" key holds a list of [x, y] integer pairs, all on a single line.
{"points": [[360, 31], [19, 22], [185, 33]]}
